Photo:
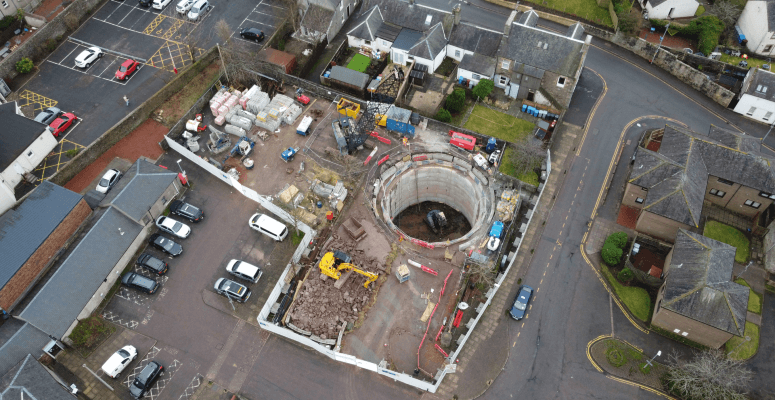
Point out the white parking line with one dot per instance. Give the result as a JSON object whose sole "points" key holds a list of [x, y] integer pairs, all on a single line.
{"points": [[256, 22], [86, 72]]}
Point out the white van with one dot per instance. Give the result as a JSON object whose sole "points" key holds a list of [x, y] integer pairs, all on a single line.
{"points": [[184, 5], [268, 226], [199, 9]]}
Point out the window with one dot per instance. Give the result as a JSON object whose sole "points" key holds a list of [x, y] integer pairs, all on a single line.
{"points": [[761, 89], [368, 42], [476, 77], [765, 194], [505, 64], [754, 204], [561, 81], [502, 80], [457, 53], [768, 115], [726, 182], [639, 200], [768, 48], [385, 43], [30, 154], [719, 193], [5, 4], [751, 111]]}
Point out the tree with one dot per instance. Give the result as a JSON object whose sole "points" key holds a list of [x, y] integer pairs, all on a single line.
{"points": [[294, 13], [628, 23], [709, 375], [527, 155], [237, 57], [618, 239], [444, 115], [456, 101], [483, 88], [611, 254], [625, 275], [726, 11], [24, 65]]}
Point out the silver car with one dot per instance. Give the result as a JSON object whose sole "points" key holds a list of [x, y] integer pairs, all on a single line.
{"points": [[173, 227], [48, 115]]}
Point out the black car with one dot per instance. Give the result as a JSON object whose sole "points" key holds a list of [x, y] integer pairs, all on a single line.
{"points": [[519, 308], [165, 244], [139, 282], [152, 264], [185, 210], [252, 34], [145, 379], [146, 3]]}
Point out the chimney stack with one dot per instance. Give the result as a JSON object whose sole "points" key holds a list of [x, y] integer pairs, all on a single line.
{"points": [[507, 27], [411, 2], [456, 13]]}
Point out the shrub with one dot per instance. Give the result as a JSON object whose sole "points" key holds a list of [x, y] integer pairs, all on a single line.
{"points": [[24, 65], [707, 29], [51, 44], [444, 116], [618, 239], [611, 254], [456, 101], [625, 275], [6, 22], [483, 88]]}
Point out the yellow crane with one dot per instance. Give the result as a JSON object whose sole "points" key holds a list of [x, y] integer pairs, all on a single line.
{"points": [[333, 263]]}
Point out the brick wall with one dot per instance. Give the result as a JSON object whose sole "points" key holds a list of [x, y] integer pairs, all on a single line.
{"points": [[39, 262], [695, 331], [659, 226]]}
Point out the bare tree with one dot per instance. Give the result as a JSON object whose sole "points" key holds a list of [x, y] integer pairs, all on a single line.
{"points": [[709, 375], [293, 13], [238, 59], [528, 155], [481, 273], [727, 11]]}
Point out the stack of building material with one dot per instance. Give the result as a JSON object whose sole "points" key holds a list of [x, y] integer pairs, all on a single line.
{"points": [[248, 95], [257, 102], [234, 130], [217, 101], [290, 115], [271, 115], [507, 205]]}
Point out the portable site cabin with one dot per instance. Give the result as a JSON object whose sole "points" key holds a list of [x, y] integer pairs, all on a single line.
{"points": [[398, 121]]}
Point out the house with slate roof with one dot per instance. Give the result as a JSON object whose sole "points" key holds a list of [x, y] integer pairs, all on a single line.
{"points": [[666, 9], [31, 380], [24, 144], [476, 49], [431, 49], [676, 171], [366, 29], [757, 96], [322, 19], [757, 22], [539, 65], [698, 300]]}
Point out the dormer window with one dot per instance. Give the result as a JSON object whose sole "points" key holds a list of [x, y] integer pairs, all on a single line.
{"points": [[539, 44], [428, 19], [505, 64], [761, 89]]}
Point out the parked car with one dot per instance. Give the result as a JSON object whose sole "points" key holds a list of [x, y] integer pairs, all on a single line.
{"points": [[108, 180], [127, 69], [232, 290], [152, 264], [119, 360], [268, 226], [165, 244], [60, 125], [145, 3], [173, 227], [184, 5], [140, 282], [521, 302], [88, 57], [187, 211], [199, 9], [243, 270], [145, 379], [254, 34], [48, 115], [160, 4]]}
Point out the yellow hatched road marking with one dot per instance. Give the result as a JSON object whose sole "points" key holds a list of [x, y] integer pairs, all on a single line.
{"points": [[154, 24]]}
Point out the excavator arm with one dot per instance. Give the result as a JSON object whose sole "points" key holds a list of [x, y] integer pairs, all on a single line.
{"points": [[370, 277], [332, 266]]}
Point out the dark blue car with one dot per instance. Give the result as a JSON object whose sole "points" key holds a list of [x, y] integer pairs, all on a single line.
{"points": [[519, 308]]}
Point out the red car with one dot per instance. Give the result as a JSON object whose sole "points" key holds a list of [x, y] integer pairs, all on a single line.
{"points": [[127, 68], [62, 123]]}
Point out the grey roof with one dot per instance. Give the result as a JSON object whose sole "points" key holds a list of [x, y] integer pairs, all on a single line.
{"points": [[317, 18], [698, 283], [17, 134], [529, 18], [398, 114], [346, 75], [17, 339], [329, 4], [367, 24], [655, 3], [735, 140], [400, 13], [24, 229], [139, 188], [431, 44], [677, 175], [30, 380], [762, 84], [388, 32], [479, 64], [62, 298], [542, 49], [575, 31], [475, 39], [407, 39]]}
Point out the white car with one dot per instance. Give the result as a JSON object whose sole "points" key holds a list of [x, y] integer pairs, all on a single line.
{"points": [[88, 57], [184, 5], [243, 270], [160, 4], [119, 360], [199, 9], [173, 227], [108, 180]]}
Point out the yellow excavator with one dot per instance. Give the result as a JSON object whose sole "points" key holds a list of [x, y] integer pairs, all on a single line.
{"points": [[333, 263]]}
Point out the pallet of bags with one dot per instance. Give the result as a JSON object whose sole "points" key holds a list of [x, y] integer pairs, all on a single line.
{"points": [[291, 114], [234, 130], [243, 113], [219, 120]]}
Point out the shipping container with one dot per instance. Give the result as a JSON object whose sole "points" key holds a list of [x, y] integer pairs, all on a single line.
{"points": [[461, 140]]}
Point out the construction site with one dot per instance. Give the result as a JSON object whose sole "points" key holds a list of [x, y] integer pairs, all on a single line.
{"points": [[412, 229]]}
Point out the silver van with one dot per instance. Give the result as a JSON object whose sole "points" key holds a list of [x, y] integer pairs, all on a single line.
{"points": [[199, 9], [268, 226]]}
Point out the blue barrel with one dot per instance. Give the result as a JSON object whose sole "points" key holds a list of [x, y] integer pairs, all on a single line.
{"points": [[490, 146], [320, 204], [524, 107]]}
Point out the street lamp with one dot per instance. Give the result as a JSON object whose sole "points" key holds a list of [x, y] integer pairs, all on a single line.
{"points": [[648, 363]]}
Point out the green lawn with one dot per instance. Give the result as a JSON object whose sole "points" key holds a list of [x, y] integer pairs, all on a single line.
{"points": [[507, 167], [587, 9], [498, 125], [359, 63], [731, 236], [700, 11], [754, 299], [746, 350], [636, 299], [752, 62]]}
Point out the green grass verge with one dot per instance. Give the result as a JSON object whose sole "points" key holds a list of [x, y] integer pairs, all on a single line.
{"points": [[587, 9], [296, 237], [754, 299], [700, 11], [359, 63], [745, 350], [636, 299], [769, 288], [731, 236], [498, 125], [507, 167]]}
